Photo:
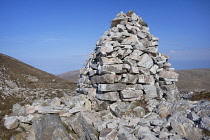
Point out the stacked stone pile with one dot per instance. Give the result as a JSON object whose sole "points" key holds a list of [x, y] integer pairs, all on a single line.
{"points": [[126, 65], [128, 94]]}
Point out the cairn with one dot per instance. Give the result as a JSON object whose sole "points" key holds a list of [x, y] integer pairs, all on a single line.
{"points": [[126, 65]]}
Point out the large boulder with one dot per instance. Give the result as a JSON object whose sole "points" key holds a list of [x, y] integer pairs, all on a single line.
{"points": [[49, 127]]}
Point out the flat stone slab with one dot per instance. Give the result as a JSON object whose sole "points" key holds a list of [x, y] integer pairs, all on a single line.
{"points": [[129, 94], [111, 87], [117, 68], [108, 96]]}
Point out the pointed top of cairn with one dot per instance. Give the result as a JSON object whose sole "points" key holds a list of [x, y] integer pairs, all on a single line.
{"points": [[126, 65]]}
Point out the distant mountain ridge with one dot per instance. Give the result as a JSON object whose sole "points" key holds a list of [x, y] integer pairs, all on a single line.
{"points": [[191, 79], [72, 76], [194, 79]]}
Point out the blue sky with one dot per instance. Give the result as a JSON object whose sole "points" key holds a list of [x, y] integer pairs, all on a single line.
{"points": [[57, 35]]}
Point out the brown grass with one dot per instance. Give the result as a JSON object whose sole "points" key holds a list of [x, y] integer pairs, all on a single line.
{"points": [[206, 132], [141, 103], [6, 110], [204, 95]]}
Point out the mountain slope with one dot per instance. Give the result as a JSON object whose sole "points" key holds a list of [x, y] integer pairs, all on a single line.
{"points": [[21, 83], [191, 79], [71, 76], [16, 73]]}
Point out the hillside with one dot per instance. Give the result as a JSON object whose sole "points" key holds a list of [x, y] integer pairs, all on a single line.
{"points": [[191, 79], [15, 73], [21, 83], [72, 76]]}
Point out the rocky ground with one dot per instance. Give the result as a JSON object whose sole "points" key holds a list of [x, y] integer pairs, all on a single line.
{"points": [[22, 83], [73, 117]]}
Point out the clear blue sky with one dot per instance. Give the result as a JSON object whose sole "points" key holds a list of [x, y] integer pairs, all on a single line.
{"points": [[57, 35]]}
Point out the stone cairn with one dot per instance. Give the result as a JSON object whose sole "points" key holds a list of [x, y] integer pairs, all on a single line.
{"points": [[126, 65], [128, 94]]}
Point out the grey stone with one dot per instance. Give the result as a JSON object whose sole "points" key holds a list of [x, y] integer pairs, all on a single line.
{"points": [[143, 132], [11, 122], [23, 119], [111, 68], [130, 94], [123, 136], [134, 121], [205, 123], [126, 66], [143, 70], [38, 102], [76, 125], [99, 125], [132, 40], [168, 74], [77, 100], [54, 102], [130, 62], [134, 70], [122, 109], [76, 110], [127, 52], [192, 116], [146, 79], [104, 61], [153, 43], [11, 84], [107, 48], [152, 104], [134, 17], [88, 104], [108, 96], [111, 87], [115, 22], [86, 119], [158, 122], [202, 109], [171, 93], [108, 78], [141, 35], [153, 69], [181, 125], [126, 129], [49, 127], [129, 78], [18, 110], [150, 91], [146, 61], [47, 109], [112, 124], [136, 54], [108, 134]]}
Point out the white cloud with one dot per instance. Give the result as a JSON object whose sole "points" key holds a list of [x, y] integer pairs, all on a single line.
{"points": [[50, 39], [202, 54], [172, 51]]}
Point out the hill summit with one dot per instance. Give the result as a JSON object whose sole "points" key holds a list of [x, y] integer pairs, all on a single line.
{"points": [[126, 65]]}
